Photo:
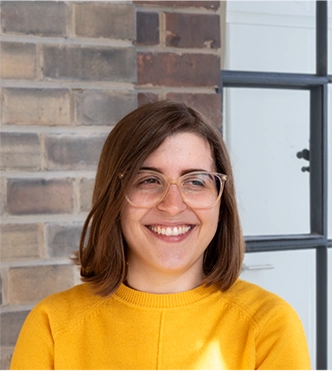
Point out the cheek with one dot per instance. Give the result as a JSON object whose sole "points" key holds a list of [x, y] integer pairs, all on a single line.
{"points": [[126, 220], [130, 218], [213, 223], [128, 215], [214, 216], [209, 223]]}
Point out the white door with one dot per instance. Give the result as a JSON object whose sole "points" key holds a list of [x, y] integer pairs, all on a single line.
{"points": [[291, 275], [264, 128]]}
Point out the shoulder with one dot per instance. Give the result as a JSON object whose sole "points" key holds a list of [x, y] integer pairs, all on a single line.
{"points": [[63, 308], [277, 331], [259, 305], [79, 295]]}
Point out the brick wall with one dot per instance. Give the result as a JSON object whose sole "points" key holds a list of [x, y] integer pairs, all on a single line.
{"points": [[70, 71]]}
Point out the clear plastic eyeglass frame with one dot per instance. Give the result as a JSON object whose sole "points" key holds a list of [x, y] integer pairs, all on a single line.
{"points": [[166, 182]]}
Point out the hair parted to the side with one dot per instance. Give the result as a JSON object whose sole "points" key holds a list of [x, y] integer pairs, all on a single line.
{"points": [[102, 253]]}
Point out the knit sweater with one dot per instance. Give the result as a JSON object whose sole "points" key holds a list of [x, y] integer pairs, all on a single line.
{"points": [[245, 327]]}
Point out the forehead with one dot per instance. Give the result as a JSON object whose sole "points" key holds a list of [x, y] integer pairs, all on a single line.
{"points": [[182, 151]]}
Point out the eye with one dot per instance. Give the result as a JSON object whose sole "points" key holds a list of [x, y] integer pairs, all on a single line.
{"points": [[149, 181], [198, 181], [144, 180], [195, 182]]}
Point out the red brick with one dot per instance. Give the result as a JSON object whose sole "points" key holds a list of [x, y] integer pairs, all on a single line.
{"points": [[193, 30], [103, 19], [1, 104], [85, 194], [32, 284], [182, 70], [63, 239], [44, 18], [20, 241], [145, 98], [3, 182], [147, 28], [11, 324], [39, 196], [5, 358], [30, 106], [27, 153], [208, 104], [79, 152], [89, 63], [18, 61], [183, 4], [102, 107]]}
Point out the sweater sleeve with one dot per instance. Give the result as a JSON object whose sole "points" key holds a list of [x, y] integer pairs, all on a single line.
{"points": [[34, 349], [282, 343]]}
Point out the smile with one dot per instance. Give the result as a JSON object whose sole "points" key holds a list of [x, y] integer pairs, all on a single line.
{"points": [[170, 231]]}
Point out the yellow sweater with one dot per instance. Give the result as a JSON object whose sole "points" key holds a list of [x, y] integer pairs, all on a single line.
{"points": [[245, 327]]}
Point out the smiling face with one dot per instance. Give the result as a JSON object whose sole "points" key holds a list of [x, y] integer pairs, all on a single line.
{"points": [[166, 242]]}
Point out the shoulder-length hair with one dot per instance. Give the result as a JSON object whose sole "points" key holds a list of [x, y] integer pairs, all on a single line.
{"points": [[102, 253]]}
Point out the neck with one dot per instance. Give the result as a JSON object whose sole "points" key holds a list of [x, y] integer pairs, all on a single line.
{"points": [[162, 283]]}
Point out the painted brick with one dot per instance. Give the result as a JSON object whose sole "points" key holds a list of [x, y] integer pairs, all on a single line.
{"points": [[85, 194], [147, 28], [18, 61], [11, 324], [39, 196], [103, 107], [73, 151], [192, 30], [25, 106], [44, 18], [214, 5], [20, 151], [32, 284], [86, 63], [145, 98], [102, 19], [63, 239], [208, 104], [181, 70], [20, 241]]}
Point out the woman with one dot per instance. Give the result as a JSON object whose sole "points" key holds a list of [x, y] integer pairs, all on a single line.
{"points": [[160, 254]]}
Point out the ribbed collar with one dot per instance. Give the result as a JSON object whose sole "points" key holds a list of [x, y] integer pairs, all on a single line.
{"points": [[143, 299]]}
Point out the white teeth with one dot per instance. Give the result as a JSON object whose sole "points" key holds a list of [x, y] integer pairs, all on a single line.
{"points": [[176, 231]]}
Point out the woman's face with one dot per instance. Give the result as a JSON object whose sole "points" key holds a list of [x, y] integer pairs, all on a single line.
{"points": [[166, 242]]}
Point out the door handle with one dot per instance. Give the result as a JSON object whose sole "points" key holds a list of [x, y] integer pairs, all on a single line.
{"points": [[305, 154], [258, 267]]}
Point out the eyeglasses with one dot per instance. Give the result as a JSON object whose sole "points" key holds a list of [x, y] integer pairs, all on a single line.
{"points": [[199, 190]]}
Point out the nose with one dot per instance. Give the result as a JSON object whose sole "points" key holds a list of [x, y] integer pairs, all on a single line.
{"points": [[172, 202]]}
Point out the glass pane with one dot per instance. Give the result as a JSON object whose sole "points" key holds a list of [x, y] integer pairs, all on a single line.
{"points": [[264, 131], [274, 36]]}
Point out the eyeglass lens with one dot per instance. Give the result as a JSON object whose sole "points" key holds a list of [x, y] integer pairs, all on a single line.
{"points": [[198, 189]]}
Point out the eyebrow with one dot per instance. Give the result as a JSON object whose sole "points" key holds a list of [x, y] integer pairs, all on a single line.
{"points": [[187, 171]]}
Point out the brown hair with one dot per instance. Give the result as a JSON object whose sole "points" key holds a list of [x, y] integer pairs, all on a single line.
{"points": [[102, 253]]}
